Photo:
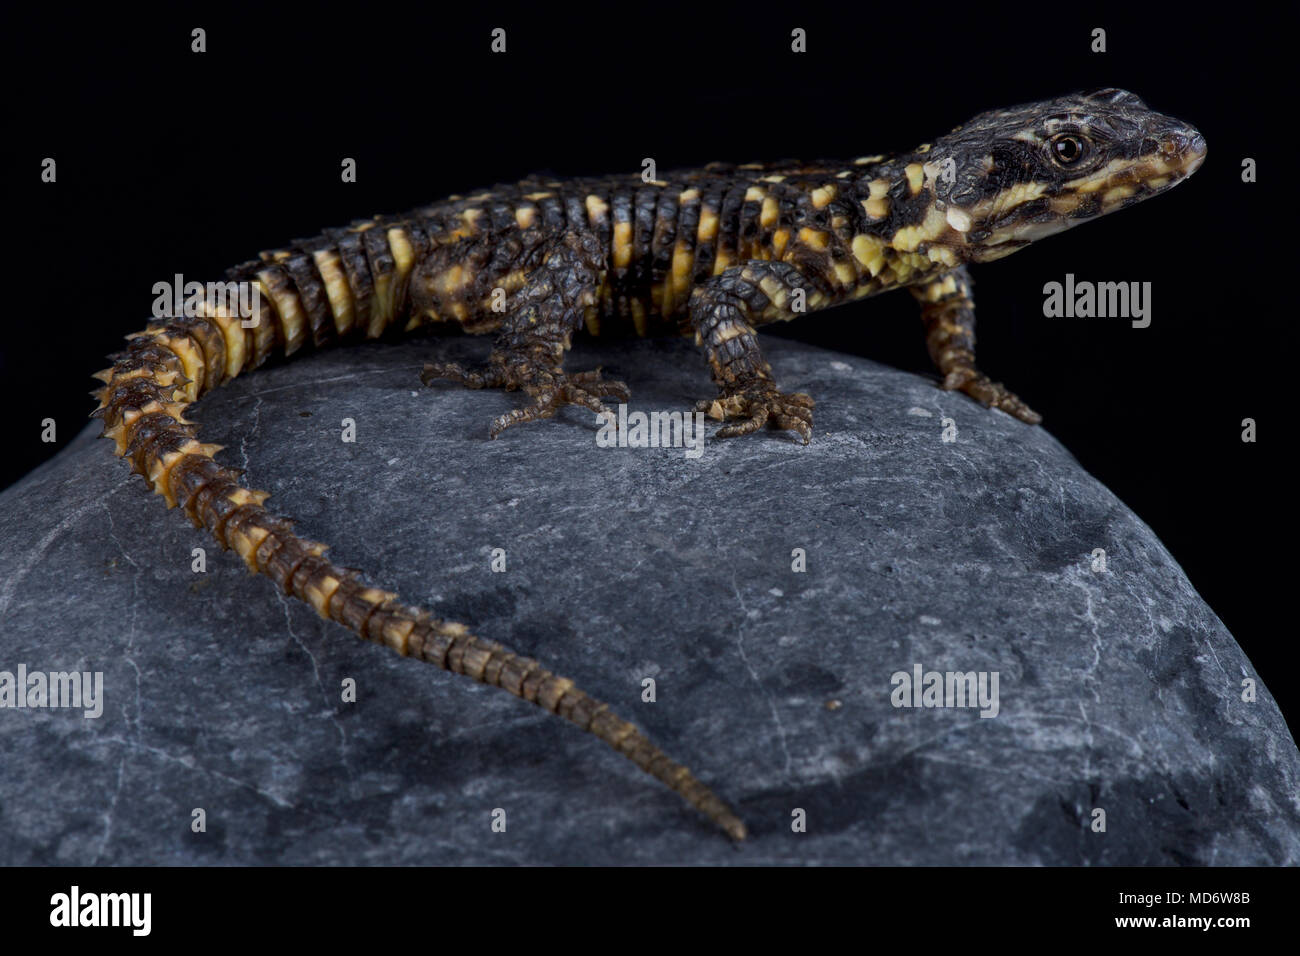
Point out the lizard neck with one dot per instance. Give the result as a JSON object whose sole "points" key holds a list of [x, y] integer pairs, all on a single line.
{"points": [[898, 232]]}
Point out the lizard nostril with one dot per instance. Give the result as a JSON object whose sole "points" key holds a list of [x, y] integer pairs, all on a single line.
{"points": [[1171, 146], [1181, 142]]}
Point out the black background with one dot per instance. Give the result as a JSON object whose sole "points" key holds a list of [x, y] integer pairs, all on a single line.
{"points": [[170, 161]]}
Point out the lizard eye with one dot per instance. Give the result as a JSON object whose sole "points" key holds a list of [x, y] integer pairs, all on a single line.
{"points": [[1068, 149]]}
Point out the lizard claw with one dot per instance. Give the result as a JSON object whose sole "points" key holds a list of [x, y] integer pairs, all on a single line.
{"points": [[989, 393], [759, 405]]}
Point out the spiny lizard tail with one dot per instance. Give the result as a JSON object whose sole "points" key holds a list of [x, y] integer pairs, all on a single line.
{"points": [[712, 252]]}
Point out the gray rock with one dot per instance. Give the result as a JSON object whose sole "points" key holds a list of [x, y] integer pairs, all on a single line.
{"points": [[1118, 691]]}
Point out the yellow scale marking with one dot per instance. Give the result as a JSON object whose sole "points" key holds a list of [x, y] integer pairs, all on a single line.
{"points": [[780, 239], [288, 310], [622, 244], [813, 238], [337, 290], [915, 177], [870, 251], [231, 330]]}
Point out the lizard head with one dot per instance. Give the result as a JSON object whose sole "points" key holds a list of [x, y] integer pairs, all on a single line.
{"points": [[1009, 177]]}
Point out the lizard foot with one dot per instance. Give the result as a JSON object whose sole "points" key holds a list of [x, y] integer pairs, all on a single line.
{"points": [[989, 393], [551, 389], [759, 405]]}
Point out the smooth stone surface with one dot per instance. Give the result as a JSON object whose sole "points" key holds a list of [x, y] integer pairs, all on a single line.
{"points": [[1118, 690]]}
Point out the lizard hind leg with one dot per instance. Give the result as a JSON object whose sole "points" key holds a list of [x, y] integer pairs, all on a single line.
{"points": [[529, 351]]}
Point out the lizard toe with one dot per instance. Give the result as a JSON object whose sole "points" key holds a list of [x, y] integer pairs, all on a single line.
{"points": [[555, 391], [485, 377], [592, 382]]}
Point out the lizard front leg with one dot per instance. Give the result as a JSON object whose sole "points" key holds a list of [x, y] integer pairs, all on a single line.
{"points": [[948, 312], [529, 350], [724, 310]]}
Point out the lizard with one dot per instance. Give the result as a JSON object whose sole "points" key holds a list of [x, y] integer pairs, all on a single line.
{"points": [[713, 252]]}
